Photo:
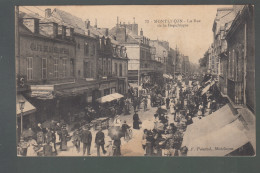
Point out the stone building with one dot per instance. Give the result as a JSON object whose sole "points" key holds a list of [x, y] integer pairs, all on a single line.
{"points": [[58, 65], [141, 66], [237, 66]]}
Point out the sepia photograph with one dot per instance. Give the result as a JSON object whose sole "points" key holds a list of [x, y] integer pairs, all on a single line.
{"points": [[135, 80]]}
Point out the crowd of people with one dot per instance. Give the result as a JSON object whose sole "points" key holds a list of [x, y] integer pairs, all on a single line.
{"points": [[183, 102]]}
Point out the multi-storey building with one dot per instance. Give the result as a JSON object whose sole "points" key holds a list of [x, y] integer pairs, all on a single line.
{"points": [[141, 65], [237, 65], [63, 64]]}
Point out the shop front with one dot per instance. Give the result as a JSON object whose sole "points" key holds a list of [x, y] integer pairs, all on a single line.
{"points": [[108, 87]]}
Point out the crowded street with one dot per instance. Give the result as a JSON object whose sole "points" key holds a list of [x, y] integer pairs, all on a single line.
{"points": [[113, 89]]}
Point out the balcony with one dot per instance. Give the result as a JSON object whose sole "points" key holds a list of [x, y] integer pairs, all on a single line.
{"points": [[235, 91]]}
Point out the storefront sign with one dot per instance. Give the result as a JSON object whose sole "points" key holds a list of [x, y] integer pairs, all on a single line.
{"points": [[42, 91], [50, 49]]}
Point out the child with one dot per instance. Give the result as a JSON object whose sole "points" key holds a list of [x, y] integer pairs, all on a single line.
{"points": [[109, 148]]}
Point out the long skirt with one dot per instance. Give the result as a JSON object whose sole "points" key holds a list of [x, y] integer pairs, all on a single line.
{"points": [[136, 125]]}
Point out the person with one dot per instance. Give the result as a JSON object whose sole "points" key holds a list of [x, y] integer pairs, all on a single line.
{"points": [[39, 136], [31, 148], [145, 103], [64, 135], [109, 148], [76, 140], [189, 121], [100, 141], [183, 151], [125, 128], [144, 140], [149, 143], [117, 121], [135, 102], [167, 102], [86, 140], [127, 105], [47, 149], [48, 136], [136, 121], [116, 146], [53, 140]]}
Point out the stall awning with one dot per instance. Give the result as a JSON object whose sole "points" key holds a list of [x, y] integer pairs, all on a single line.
{"points": [[110, 97], [208, 124], [28, 107], [207, 87], [220, 142]]}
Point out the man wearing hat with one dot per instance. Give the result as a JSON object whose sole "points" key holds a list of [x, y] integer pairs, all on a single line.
{"points": [[100, 141], [86, 139]]}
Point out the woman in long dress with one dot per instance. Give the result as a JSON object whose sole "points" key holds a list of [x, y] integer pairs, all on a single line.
{"points": [[136, 121], [31, 148]]}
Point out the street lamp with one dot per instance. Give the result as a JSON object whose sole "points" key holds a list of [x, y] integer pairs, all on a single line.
{"points": [[21, 104]]}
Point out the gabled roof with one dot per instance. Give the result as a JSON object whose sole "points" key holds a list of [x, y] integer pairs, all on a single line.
{"points": [[69, 20]]}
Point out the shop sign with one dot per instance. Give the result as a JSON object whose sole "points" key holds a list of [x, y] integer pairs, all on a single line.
{"points": [[50, 49], [42, 91]]}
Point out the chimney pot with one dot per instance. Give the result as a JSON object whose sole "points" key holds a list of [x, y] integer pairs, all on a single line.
{"points": [[141, 32], [47, 13]]}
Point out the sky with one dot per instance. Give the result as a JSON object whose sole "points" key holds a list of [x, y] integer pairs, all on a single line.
{"points": [[189, 27]]}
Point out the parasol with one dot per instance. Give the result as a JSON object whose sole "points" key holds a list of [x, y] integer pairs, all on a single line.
{"points": [[115, 132], [28, 133], [47, 124]]}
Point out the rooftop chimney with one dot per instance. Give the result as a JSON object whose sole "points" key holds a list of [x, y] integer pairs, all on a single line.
{"points": [[87, 24], [47, 12], [95, 23], [141, 32]]}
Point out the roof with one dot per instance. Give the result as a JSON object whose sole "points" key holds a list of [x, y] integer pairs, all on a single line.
{"points": [[223, 16], [130, 36]]}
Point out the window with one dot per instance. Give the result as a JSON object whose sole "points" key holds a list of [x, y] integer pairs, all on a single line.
{"points": [[29, 68], [78, 46], [72, 67], [44, 68], [56, 70], [86, 49], [104, 67], [109, 67], [120, 70], [64, 64], [116, 69], [93, 51]]}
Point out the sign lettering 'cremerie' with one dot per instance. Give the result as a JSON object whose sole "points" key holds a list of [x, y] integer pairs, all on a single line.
{"points": [[50, 49]]}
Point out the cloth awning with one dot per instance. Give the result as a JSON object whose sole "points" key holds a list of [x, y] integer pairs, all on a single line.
{"points": [[110, 97], [28, 107], [220, 142], [208, 124]]}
